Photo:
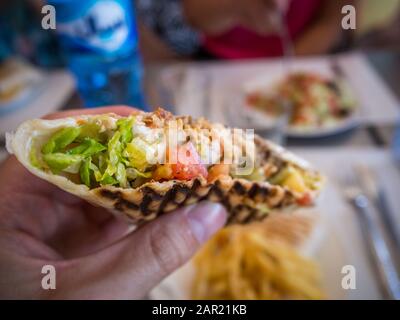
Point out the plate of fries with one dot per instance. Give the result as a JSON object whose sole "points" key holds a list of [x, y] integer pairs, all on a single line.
{"points": [[261, 261]]}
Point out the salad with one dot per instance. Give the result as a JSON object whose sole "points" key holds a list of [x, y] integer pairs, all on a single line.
{"points": [[315, 101]]}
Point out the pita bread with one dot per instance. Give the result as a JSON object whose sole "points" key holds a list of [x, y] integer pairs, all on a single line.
{"points": [[242, 198]]}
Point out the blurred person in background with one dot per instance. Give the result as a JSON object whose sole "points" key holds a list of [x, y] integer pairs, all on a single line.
{"points": [[225, 29], [235, 29], [251, 29]]}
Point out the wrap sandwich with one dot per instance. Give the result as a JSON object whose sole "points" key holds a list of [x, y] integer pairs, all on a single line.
{"points": [[148, 164]]}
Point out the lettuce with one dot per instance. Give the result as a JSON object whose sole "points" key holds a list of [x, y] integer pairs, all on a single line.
{"points": [[101, 162], [61, 139], [136, 153], [96, 156], [114, 155], [61, 161], [84, 172], [120, 175], [125, 129], [256, 175], [90, 130], [97, 174], [108, 180], [115, 149], [133, 173], [87, 148]]}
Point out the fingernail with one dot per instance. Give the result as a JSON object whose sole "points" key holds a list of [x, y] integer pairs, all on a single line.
{"points": [[205, 219]]}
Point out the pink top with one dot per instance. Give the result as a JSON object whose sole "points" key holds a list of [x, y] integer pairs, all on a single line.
{"points": [[242, 43]]}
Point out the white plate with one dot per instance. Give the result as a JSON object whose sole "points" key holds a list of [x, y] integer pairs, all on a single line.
{"points": [[342, 244], [346, 125]]}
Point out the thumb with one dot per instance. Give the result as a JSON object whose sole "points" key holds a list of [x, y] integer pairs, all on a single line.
{"points": [[130, 268]]}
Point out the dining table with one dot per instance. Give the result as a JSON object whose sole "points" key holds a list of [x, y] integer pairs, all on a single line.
{"points": [[372, 142], [385, 63]]}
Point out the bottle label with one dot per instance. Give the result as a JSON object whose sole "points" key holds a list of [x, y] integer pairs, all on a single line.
{"points": [[104, 26]]}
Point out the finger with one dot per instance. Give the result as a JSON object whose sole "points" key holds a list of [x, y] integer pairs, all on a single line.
{"points": [[57, 207], [120, 110], [133, 266], [88, 232]]}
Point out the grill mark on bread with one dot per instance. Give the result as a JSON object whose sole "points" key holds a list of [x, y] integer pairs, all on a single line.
{"points": [[239, 197], [253, 191], [106, 193], [238, 187], [129, 204], [153, 202], [251, 217], [145, 203]]}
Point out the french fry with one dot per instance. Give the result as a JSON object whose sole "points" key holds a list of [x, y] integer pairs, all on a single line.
{"points": [[243, 263]]}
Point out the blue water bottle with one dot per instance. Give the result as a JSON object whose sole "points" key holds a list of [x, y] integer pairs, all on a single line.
{"points": [[101, 44]]}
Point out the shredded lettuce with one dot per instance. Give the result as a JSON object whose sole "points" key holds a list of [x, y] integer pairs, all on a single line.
{"points": [[136, 153], [61, 161], [125, 128], [108, 180], [96, 155], [120, 175], [61, 139], [133, 173], [115, 148], [87, 148], [256, 175], [84, 172], [90, 130], [114, 155], [96, 172]]}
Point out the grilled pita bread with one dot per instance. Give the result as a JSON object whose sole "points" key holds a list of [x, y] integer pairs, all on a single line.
{"points": [[245, 200]]}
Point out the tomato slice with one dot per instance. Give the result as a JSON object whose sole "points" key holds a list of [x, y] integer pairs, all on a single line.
{"points": [[188, 164], [305, 200]]}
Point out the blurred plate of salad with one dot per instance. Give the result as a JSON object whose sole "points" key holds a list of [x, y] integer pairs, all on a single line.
{"points": [[320, 105]]}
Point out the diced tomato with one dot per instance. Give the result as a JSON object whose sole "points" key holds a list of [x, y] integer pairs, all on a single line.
{"points": [[253, 99], [188, 164], [217, 171], [305, 200]]}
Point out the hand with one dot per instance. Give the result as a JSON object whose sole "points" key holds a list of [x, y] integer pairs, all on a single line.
{"points": [[325, 31], [215, 17], [94, 254]]}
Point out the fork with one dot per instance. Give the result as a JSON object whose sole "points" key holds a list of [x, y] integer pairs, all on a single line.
{"points": [[374, 241]]}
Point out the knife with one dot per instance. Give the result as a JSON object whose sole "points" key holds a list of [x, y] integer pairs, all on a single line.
{"points": [[376, 193], [377, 248]]}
